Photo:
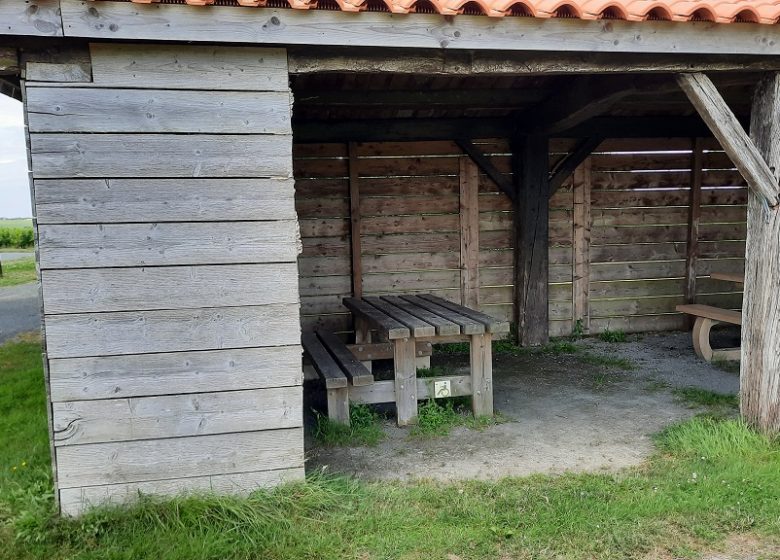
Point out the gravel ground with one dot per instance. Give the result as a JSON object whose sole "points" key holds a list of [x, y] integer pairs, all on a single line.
{"points": [[564, 415]]}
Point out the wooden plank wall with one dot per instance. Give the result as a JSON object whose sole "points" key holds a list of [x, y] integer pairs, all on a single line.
{"points": [[167, 243], [631, 224]]}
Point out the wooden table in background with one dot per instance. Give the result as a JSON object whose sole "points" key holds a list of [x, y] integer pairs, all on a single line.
{"points": [[405, 320], [728, 277]]}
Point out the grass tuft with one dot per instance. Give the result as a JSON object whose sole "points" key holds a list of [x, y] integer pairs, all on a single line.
{"points": [[365, 428], [609, 361], [20, 271], [695, 396], [613, 336], [437, 418]]}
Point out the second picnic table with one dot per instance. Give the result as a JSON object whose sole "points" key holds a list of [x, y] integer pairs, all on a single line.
{"points": [[405, 320]]}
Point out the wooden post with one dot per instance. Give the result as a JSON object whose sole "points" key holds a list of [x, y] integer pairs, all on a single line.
{"points": [[531, 217], [760, 372], [354, 220], [338, 405], [481, 357], [581, 247], [405, 380], [469, 233], [694, 216]]}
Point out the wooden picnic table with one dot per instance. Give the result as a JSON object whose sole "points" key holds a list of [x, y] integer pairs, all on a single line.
{"points": [[405, 321]]}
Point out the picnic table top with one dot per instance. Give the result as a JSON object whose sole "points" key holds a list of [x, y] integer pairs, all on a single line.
{"points": [[422, 316], [729, 277]]}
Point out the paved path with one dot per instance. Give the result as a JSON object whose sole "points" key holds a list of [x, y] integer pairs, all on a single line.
{"points": [[18, 310]]}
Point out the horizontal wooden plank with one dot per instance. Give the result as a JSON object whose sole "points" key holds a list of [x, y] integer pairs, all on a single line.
{"points": [[639, 323], [153, 110], [178, 287], [76, 501], [711, 312], [137, 461], [189, 67], [377, 320], [323, 363], [82, 246], [83, 201], [173, 22], [142, 375], [159, 155], [384, 391], [195, 414], [140, 332], [31, 17]]}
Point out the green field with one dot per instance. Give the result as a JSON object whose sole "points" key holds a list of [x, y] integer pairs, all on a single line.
{"points": [[712, 482], [16, 233]]}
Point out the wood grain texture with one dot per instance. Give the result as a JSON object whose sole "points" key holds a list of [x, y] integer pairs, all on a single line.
{"points": [[159, 155], [76, 501], [83, 246], [469, 232], [582, 221], [384, 391], [58, 109], [194, 414], [726, 128], [31, 17], [171, 22], [140, 375], [138, 332], [694, 220], [137, 461], [189, 67], [759, 379], [481, 361], [177, 287], [84, 201], [405, 381], [64, 72], [355, 223]]}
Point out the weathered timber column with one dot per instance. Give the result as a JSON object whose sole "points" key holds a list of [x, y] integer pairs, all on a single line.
{"points": [[760, 372], [531, 216], [694, 217]]}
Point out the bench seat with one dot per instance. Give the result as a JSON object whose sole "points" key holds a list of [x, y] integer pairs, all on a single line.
{"points": [[710, 312], [706, 317]]}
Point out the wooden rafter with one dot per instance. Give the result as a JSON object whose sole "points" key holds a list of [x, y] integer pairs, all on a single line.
{"points": [[732, 136], [487, 167], [421, 98], [567, 165]]}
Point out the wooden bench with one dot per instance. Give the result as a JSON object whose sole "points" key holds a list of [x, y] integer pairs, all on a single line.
{"points": [[338, 368], [706, 317]]}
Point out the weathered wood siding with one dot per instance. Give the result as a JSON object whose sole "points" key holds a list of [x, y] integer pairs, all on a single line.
{"points": [[412, 223], [167, 243]]}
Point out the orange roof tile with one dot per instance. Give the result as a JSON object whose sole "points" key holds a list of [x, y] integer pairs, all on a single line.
{"points": [[719, 11]]}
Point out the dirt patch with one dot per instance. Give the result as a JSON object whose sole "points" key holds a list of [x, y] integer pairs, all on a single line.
{"points": [[563, 413], [736, 547]]}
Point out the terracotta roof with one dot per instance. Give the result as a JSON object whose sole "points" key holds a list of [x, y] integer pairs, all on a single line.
{"points": [[739, 11]]}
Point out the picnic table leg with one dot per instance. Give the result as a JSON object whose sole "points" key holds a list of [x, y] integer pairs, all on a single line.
{"points": [[701, 338], [404, 362], [338, 405], [363, 336], [482, 374]]}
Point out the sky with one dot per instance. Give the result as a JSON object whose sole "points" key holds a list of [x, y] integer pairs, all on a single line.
{"points": [[14, 184]]}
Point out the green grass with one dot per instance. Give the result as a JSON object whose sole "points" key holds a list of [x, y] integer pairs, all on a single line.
{"points": [[19, 271], [709, 480], [695, 396], [615, 362], [729, 366], [16, 233], [612, 336], [365, 428]]}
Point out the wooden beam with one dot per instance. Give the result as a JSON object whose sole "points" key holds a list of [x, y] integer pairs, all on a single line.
{"points": [[643, 127], [732, 137], [694, 216], [471, 98], [38, 18], [587, 97], [305, 60], [760, 371], [487, 167], [225, 24], [355, 222], [9, 61], [531, 217], [582, 220], [567, 165], [469, 232], [11, 89]]}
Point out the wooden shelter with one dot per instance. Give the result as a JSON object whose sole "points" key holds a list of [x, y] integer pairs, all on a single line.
{"points": [[210, 178]]}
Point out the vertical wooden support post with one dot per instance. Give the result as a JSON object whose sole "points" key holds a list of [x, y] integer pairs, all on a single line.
{"points": [[694, 216], [338, 405], [760, 371], [581, 247], [469, 233], [405, 380], [354, 221], [481, 354], [531, 217]]}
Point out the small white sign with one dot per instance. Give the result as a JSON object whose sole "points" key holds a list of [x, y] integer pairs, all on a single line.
{"points": [[441, 389]]}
